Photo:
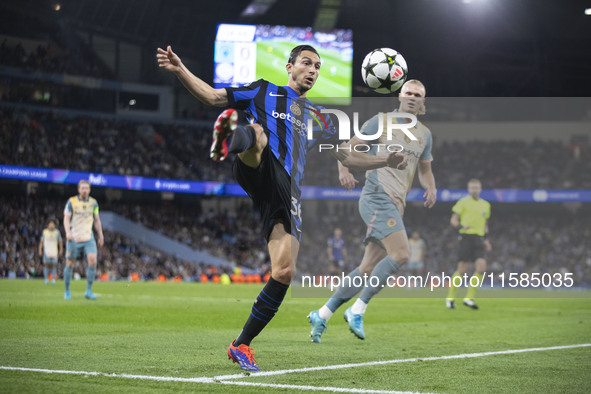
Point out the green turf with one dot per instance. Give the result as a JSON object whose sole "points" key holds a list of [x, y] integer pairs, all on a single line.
{"points": [[183, 330], [335, 77]]}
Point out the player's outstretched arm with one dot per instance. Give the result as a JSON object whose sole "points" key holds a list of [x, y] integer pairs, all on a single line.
{"points": [[169, 61], [347, 179], [347, 155]]}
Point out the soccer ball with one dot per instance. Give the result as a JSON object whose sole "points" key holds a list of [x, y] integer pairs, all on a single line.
{"points": [[384, 70]]}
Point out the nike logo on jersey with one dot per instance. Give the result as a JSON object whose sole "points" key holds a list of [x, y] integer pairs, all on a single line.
{"points": [[276, 95]]}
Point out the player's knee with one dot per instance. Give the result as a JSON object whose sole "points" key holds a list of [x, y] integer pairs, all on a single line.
{"points": [[400, 255], [284, 274], [480, 265], [260, 135], [258, 129]]}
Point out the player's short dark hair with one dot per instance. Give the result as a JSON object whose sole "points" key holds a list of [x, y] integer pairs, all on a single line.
{"points": [[54, 220], [295, 52]]}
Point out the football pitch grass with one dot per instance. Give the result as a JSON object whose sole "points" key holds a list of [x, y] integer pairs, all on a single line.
{"points": [[174, 337]]}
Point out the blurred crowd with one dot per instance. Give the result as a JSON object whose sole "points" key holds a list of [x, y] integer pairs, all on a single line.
{"points": [[46, 139], [539, 164], [501, 164], [234, 235], [552, 240], [48, 57], [221, 234]]}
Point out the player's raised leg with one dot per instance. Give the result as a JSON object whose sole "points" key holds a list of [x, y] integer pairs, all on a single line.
{"points": [[352, 285], [230, 137], [283, 250]]}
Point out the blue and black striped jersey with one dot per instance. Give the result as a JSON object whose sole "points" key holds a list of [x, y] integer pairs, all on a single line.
{"points": [[284, 116]]}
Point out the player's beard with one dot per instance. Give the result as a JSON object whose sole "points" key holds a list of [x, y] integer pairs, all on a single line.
{"points": [[302, 87]]}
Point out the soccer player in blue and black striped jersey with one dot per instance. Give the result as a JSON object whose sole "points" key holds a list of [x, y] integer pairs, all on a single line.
{"points": [[271, 154]]}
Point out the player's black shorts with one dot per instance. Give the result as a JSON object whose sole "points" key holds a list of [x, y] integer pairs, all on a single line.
{"points": [[471, 247], [269, 187]]}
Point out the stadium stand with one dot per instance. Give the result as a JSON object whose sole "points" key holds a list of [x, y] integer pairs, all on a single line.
{"points": [[530, 240], [47, 139], [222, 234], [152, 149]]}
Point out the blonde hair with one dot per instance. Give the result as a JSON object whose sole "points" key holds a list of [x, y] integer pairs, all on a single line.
{"points": [[83, 181], [423, 109]]}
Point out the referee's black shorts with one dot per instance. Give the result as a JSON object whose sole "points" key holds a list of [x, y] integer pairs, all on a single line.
{"points": [[269, 187], [471, 247]]}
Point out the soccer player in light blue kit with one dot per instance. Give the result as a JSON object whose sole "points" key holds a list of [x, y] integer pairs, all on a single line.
{"points": [[381, 206], [80, 216], [50, 248]]}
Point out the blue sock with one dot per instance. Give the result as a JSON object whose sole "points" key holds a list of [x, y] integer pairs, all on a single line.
{"points": [[345, 293], [263, 310], [68, 276], [54, 273], [45, 272], [386, 267], [90, 276]]}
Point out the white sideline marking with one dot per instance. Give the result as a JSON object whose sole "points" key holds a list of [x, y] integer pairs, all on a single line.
{"points": [[403, 360], [112, 375], [203, 380], [316, 388], [223, 379]]}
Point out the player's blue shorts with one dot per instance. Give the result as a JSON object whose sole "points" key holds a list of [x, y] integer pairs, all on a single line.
{"points": [[75, 249], [49, 260], [381, 216]]}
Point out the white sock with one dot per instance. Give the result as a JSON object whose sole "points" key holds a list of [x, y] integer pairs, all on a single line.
{"points": [[325, 313], [359, 307]]}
